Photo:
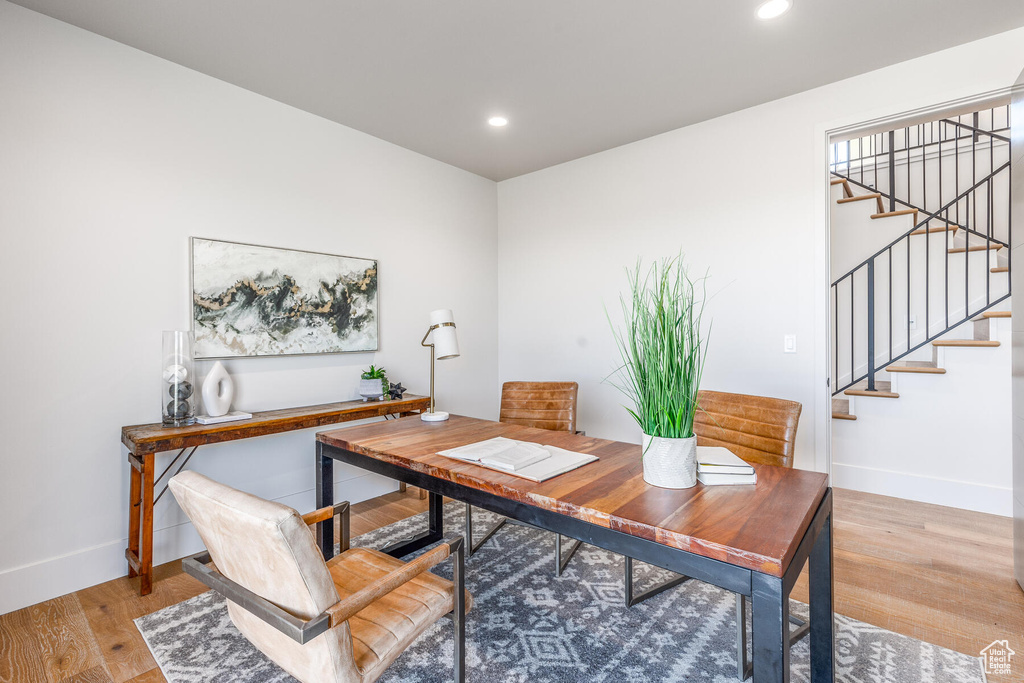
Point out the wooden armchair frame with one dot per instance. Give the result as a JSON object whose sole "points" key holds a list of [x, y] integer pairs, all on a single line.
{"points": [[302, 631]]}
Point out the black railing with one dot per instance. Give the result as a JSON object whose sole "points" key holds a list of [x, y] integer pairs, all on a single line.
{"points": [[937, 157]]}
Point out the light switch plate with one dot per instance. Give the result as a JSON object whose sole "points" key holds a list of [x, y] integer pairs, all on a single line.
{"points": [[789, 343]]}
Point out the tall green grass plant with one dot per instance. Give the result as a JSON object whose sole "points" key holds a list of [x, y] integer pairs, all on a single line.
{"points": [[663, 347]]}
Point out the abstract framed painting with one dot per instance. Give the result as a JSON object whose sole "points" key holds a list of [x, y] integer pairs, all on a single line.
{"points": [[250, 300]]}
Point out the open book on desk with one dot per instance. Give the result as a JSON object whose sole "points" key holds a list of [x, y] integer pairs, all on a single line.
{"points": [[526, 459]]}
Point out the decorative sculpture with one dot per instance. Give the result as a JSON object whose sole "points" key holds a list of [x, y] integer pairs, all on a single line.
{"points": [[218, 391]]}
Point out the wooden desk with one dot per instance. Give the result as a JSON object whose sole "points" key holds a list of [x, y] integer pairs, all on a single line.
{"points": [[145, 441], [750, 540]]}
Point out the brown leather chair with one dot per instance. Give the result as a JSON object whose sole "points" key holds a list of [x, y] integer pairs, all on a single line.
{"points": [[343, 620], [760, 430], [544, 405]]}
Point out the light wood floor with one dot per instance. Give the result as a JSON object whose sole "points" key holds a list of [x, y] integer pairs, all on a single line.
{"points": [[934, 573]]}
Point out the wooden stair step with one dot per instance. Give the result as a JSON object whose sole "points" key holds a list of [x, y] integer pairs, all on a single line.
{"points": [[1000, 269], [996, 314], [964, 342], [901, 212], [874, 394], [841, 409], [877, 196], [977, 247], [859, 197], [918, 366], [847, 192], [947, 228], [883, 389]]}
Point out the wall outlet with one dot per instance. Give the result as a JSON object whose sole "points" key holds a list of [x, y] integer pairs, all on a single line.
{"points": [[789, 343]]}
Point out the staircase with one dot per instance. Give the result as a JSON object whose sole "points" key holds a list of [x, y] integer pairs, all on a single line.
{"points": [[933, 200]]}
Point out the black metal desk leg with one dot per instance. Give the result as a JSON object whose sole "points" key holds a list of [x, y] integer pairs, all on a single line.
{"points": [[433, 534], [822, 620], [770, 629], [436, 506], [324, 498]]}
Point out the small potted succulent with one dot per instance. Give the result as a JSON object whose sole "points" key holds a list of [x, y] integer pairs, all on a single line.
{"points": [[373, 384]]}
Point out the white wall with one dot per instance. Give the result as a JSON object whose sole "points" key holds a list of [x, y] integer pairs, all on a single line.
{"points": [[109, 160], [745, 196]]}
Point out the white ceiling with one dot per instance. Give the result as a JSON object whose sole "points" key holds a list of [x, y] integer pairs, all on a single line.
{"points": [[574, 77]]}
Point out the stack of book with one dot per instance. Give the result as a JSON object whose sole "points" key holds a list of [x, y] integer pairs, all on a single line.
{"points": [[717, 466]]}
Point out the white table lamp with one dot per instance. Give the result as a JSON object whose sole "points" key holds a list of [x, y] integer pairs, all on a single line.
{"points": [[444, 344]]}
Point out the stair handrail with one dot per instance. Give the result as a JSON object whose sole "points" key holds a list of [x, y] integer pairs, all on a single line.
{"points": [[980, 193], [932, 216], [980, 131]]}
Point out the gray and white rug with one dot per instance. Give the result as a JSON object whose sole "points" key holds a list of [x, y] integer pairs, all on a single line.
{"points": [[529, 626]]}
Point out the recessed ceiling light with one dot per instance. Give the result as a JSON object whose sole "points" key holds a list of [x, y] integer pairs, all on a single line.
{"points": [[773, 8], [498, 121]]}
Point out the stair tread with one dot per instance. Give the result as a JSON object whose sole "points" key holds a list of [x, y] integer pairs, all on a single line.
{"points": [[979, 247], [873, 394], [996, 314], [883, 389], [859, 197], [847, 192], [964, 342], [841, 409], [919, 366], [947, 228], [889, 214], [1000, 269]]}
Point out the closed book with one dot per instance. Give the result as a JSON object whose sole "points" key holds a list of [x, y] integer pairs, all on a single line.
{"points": [[718, 460], [233, 416], [519, 457], [715, 479]]}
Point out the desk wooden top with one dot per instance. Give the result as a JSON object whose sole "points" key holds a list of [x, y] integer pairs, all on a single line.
{"points": [[155, 438], [756, 527]]}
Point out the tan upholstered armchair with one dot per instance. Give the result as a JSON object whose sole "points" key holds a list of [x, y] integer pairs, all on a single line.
{"points": [[340, 620]]}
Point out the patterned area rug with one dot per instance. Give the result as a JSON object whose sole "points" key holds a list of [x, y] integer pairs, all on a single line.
{"points": [[529, 626]]}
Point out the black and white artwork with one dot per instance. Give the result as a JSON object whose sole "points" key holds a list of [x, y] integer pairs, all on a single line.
{"points": [[249, 300]]}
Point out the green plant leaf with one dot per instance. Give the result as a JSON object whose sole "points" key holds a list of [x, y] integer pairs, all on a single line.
{"points": [[663, 347]]}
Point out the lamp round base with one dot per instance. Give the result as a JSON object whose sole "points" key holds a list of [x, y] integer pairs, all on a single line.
{"points": [[434, 417]]}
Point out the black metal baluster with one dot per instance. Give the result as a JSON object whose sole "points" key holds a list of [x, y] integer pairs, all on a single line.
{"points": [[988, 249], [967, 262], [892, 170], [871, 324], [945, 279], [835, 338], [890, 304]]}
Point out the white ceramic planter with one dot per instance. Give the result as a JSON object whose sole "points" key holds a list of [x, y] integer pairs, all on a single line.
{"points": [[370, 389], [670, 463]]}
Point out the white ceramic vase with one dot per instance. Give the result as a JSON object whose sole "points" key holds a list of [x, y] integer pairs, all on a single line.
{"points": [[670, 463], [218, 391]]}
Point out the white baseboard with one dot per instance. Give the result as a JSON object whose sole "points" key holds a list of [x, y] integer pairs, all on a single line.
{"points": [[38, 581], [993, 500]]}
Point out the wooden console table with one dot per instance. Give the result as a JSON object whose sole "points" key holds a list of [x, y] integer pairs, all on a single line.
{"points": [[145, 441]]}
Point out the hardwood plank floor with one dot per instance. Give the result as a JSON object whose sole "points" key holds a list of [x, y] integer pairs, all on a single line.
{"points": [[942, 575]]}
